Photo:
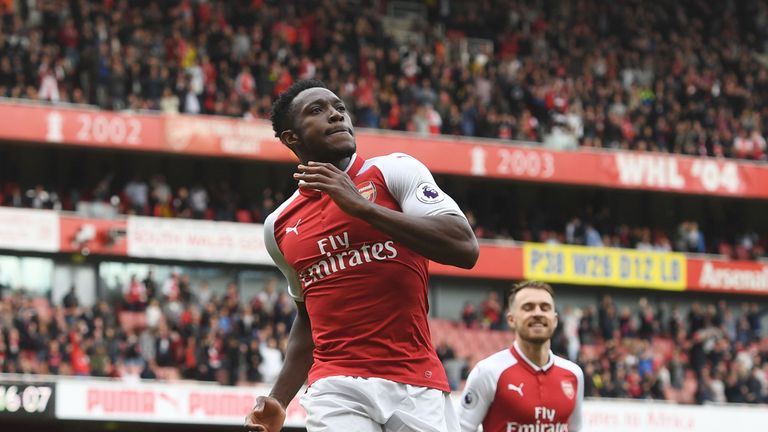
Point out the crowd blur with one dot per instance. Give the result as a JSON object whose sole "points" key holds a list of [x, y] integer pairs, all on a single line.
{"points": [[684, 77], [171, 329], [222, 201], [716, 352], [177, 329]]}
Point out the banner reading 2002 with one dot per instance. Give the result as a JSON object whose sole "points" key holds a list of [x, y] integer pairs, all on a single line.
{"points": [[603, 266]]}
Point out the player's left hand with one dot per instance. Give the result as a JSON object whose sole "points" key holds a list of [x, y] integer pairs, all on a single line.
{"points": [[326, 178], [267, 416]]}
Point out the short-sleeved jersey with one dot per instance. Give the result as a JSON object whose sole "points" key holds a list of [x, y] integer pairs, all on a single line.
{"points": [[506, 392], [365, 294]]}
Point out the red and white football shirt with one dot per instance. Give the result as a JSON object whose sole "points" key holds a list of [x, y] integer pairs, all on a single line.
{"points": [[506, 392], [366, 294]]}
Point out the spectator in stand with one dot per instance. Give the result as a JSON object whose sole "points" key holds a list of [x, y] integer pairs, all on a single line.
{"points": [[135, 295], [160, 197], [137, 193], [150, 284], [70, 300], [689, 238], [469, 315], [271, 360], [203, 295], [269, 296], [490, 310]]}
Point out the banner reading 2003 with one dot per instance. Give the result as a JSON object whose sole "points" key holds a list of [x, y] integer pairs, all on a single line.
{"points": [[603, 266]]}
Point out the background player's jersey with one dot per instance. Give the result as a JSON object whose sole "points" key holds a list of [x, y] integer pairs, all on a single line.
{"points": [[366, 295], [506, 392]]}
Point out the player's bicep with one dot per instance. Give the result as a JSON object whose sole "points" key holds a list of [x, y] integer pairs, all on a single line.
{"points": [[475, 400], [412, 185]]}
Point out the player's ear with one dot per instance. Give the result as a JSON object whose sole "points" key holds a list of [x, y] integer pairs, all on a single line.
{"points": [[511, 319], [290, 139]]}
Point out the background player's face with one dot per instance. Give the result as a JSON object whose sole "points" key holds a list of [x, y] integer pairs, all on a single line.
{"points": [[323, 126], [532, 315]]}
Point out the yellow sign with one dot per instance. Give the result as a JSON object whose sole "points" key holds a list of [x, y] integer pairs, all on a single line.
{"points": [[603, 266]]}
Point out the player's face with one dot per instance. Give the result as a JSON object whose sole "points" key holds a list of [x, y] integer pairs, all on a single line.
{"points": [[532, 315], [323, 126]]}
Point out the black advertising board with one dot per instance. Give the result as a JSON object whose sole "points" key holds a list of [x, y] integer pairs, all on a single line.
{"points": [[32, 400]]}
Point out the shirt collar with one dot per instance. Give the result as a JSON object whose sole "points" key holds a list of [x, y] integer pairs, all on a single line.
{"points": [[353, 168], [517, 352]]}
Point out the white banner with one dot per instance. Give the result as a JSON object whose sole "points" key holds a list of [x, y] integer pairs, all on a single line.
{"points": [[26, 229], [196, 240], [625, 416], [212, 404], [162, 403]]}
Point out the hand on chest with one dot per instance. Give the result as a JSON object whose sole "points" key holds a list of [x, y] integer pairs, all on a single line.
{"points": [[320, 240]]}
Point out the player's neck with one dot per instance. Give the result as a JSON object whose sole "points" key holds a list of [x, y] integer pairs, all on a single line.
{"points": [[537, 353], [341, 164]]}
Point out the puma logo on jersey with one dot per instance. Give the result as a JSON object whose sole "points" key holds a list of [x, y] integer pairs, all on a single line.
{"points": [[294, 229], [518, 389]]}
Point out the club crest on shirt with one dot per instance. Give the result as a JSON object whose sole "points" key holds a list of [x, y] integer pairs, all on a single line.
{"points": [[368, 191], [568, 389], [429, 193]]}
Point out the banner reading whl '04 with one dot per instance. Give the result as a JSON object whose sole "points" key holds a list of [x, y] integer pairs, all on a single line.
{"points": [[603, 266]]}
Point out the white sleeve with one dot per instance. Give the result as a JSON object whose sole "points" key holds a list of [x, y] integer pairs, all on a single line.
{"points": [[476, 398], [574, 423], [294, 284], [413, 186]]}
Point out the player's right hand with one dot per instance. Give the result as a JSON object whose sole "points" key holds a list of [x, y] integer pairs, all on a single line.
{"points": [[268, 415]]}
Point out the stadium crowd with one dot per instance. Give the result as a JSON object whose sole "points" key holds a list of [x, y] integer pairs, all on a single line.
{"points": [[684, 77], [221, 201], [178, 329], [168, 330], [708, 354]]}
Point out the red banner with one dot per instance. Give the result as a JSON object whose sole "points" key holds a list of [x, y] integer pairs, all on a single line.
{"points": [[743, 277], [93, 236], [625, 170], [42, 124], [218, 136], [495, 262]]}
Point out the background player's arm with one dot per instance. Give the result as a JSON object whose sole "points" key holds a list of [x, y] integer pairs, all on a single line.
{"points": [[575, 422], [475, 399], [445, 238], [266, 416]]}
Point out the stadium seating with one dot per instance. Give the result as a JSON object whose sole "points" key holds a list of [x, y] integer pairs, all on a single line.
{"points": [[518, 78]]}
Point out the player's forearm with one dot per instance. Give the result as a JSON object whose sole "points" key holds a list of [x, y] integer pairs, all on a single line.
{"points": [[447, 239], [298, 360]]}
